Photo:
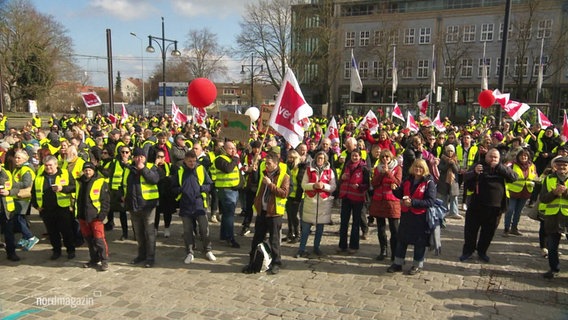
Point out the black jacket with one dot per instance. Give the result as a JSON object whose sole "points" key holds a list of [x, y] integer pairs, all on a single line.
{"points": [[85, 208]]}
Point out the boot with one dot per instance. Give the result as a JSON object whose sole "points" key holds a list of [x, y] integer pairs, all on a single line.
{"points": [[383, 253]]}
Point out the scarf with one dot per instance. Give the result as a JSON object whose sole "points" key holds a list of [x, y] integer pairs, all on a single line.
{"points": [[391, 165], [450, 175]]}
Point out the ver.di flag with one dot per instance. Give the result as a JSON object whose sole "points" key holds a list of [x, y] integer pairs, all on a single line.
{"points": [[289, 110], [371, 121], [438, 123], [332, 132], [91, 99], [516, 109], [111, 117], [123, 114], [397, 113], [178, 116], [199, 115], [423, 105], [543, 120], [564, 135], [411, 123]]}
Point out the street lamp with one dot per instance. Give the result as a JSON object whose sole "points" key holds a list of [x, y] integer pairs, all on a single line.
{"points": [[252, 67], [142, 60], [163, 49]]}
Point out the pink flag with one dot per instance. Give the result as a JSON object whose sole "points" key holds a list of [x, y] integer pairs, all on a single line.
{"points": [[516, 109], [289, 110], [501, 98], [332, 132], [199, 116], [91, 99], [397, 113], [423, 105], [123, 114], [178, 116], [111, 118], [543, 120], [371, 121], [564, 135], [438, 123], [411, 124]]}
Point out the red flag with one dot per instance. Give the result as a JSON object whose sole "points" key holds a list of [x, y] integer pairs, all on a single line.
{"points": [[111, 118], [564, 135], [91, 99], [289, 110], [516, 109], [199, 115], [423, 105], [332, 132], [123, 114], [438, 123], [502, 98], [543, 120], [397, 113], [411, 123], [371, 121], [178, 116]]}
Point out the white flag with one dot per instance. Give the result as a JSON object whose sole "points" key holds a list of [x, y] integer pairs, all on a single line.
{"points": [[332, 131], [371, 121], [356, 84], [394, 73], [124, 114], [433, 78], [397, 113], [438, 123]]}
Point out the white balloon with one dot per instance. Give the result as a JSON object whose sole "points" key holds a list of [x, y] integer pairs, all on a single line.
{"points": [[253, 113]]}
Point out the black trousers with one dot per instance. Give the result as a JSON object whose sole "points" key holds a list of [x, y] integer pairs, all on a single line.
{"points": [[59, 224], [272, 226], [483, 221], [249, 201]]}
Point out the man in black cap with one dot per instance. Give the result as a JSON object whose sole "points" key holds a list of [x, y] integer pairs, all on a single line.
{"points": [[140, 183], [93, 202], [178, 150], [555, 195]]}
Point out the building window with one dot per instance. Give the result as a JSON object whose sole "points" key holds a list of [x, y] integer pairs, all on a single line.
{"points": [[467, 68], [393, 37], [347, 70], [487, 32], [498, 66], [544, 65], [525, 31], [487, 65], [469, 33], [310, 72], [422, 71], [425, 35], [544, 29], [378, 70], [452, 34], [501, 31], [364, 69], [521, 67], [350, 39], [228, 92], [379, 37], [406, 69], [409, 35], [449, 70], [364, 38]]}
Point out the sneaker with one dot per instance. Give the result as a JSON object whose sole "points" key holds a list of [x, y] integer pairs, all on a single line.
{"points": [[245, 231], [414, 270], [515, 231], [465, 256], [550, 274], [544, 253], [506, 233], [90, 264], [464, 207], [318, 252], [30, 243], [210, 256], [188, 258], [484, 258], [104, 266], [213, 219], [394, 268], [454, 216], [301, 254], [166, 232]]}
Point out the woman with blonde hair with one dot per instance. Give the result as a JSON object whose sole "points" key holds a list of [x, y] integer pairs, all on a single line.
{"points": [[418, 193]]}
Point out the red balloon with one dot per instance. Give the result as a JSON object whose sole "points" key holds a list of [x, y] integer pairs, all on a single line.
{"points": [[201, 92], [486, 99]]}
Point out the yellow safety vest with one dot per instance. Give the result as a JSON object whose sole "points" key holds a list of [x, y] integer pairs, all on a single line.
{"points": [[149, 191], [3, 124], [470, 155], [37, 122], [94, 194], [77, 169], [63, 199], [557, 205], [10, 206], [228, 180], [20, 172], [294, 179], [520, 183], [212, 169], [117, 175], [200, 171], [280, 202]]}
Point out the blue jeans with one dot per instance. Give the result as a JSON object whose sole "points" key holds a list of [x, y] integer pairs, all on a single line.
{"points": [[306, 233], [227, 204], [516, 205], [451, 202], [20, 218], [349, 208], [400, 254]]}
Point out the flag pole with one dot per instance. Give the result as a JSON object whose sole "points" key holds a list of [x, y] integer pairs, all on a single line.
{"points": [[395, 81], [540, 71]]}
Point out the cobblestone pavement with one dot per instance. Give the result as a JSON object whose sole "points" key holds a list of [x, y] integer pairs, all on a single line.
{"points": [[333, 287]]}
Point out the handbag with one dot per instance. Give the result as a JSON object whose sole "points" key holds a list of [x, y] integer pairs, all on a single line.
{"points": [[25, 193], [534, 213]]}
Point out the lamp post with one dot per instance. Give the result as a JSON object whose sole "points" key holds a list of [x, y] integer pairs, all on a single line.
{"points": [[163, 49], [143, 85], [252, 67]]}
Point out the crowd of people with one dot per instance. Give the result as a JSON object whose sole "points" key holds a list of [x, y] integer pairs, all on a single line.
{"points": [[79, 172]]}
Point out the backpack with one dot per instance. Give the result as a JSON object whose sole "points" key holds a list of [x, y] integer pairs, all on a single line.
{"points": [[262, 258]]}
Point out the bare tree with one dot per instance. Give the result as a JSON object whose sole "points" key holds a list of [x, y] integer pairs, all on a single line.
{"points": [[265, 32], [204, 54], [34, 54]]}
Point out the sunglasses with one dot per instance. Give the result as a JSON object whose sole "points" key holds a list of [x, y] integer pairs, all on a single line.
{"points": [[125, 152]]}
